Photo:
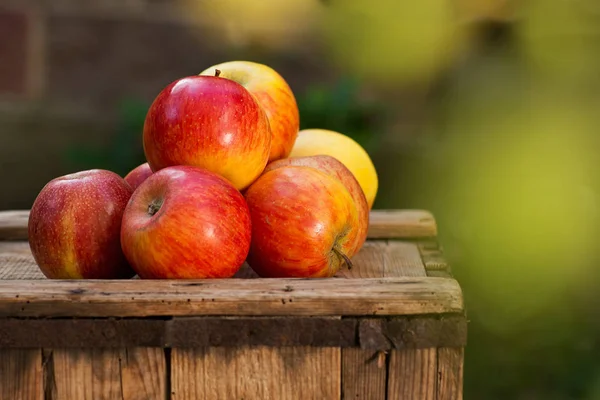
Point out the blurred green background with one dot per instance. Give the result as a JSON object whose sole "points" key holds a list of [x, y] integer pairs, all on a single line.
{"points": [[485, 112]]}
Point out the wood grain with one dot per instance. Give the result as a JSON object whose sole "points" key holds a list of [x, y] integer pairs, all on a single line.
{"points": [[401, 224], [143, 374], [450, 373], [105, 374], [412, 374], [21, 374], [13, 224], [384, 224], [267, 297], [362, 377], [402, 259], [377, 258], [256, 373]]}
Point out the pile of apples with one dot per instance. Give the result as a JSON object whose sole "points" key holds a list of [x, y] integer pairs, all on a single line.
{"points": [[229, 179]]}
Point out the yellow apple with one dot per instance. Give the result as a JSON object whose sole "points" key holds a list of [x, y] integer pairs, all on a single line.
{"points": [[312, 142], [274, 95]]}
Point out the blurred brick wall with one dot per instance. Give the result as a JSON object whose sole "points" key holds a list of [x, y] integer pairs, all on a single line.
{"points": [[66, 64]]}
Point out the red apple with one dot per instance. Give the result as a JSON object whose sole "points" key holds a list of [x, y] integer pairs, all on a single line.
{"points": [[274, 95], [304, 223], [138, 175], [185, 222], [336, 169], [208, 122], [74, 226]]}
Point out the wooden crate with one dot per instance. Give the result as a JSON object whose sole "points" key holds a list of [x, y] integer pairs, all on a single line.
{"points": [[393, 327]]}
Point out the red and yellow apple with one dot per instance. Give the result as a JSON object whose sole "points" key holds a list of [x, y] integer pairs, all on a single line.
{"points": [[74, 226], [208, 122], [311, 142], [138, 175], [336, 169], [304, 223], [273, 94], [186, 222]]}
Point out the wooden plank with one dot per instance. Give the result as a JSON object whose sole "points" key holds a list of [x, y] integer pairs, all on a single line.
{"points": [[377, 258], [21, 374], [256, 373], [368, 262], [401, 224], [267, 297], [362, 376], [412, 374], [261, 331], [383, 224], [450, 373], [403, 259], [144, 374], [71, 374], [13, 224], [81, 332], [105, 374], [370, 334]]}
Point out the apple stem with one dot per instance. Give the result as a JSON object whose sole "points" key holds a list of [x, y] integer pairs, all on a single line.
{"points": [[217, 72], [345, 257], [153, 208]]}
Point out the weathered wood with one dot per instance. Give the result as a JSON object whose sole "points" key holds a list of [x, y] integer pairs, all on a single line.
{"points": [[13, 224], [267, 297], [256, 373], [384, 224], [105, 374], [377, 258], [143, 374], [450, 373], [273, 332], [72, 376], [81, 333], [402, 259], [412, 374], [401, 224], [362, 377], [370, 334], [21, 374]]}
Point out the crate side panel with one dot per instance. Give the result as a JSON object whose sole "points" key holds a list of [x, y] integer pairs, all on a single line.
{"points": [[450, 373], [256, 373], [363, 376], [412, 374], [105, 374], [21, 374], [144, 373]]}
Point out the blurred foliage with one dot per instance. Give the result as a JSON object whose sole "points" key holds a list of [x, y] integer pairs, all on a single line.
{"points": [[124, 150], [341, 108]]}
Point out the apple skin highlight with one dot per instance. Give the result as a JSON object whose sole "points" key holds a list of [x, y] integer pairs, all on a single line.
{"points": [[208, 122], [273, 94]]}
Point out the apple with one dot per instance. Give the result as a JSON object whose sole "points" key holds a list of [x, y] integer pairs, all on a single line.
{"points": [[311, 142], [138, 175], [185, 222], [208, 122], [304, 224], [274, 95], [336, 169], [74, 226]]}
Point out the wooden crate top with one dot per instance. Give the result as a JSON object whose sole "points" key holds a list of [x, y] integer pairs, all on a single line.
{"points": [[400, 271]]}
